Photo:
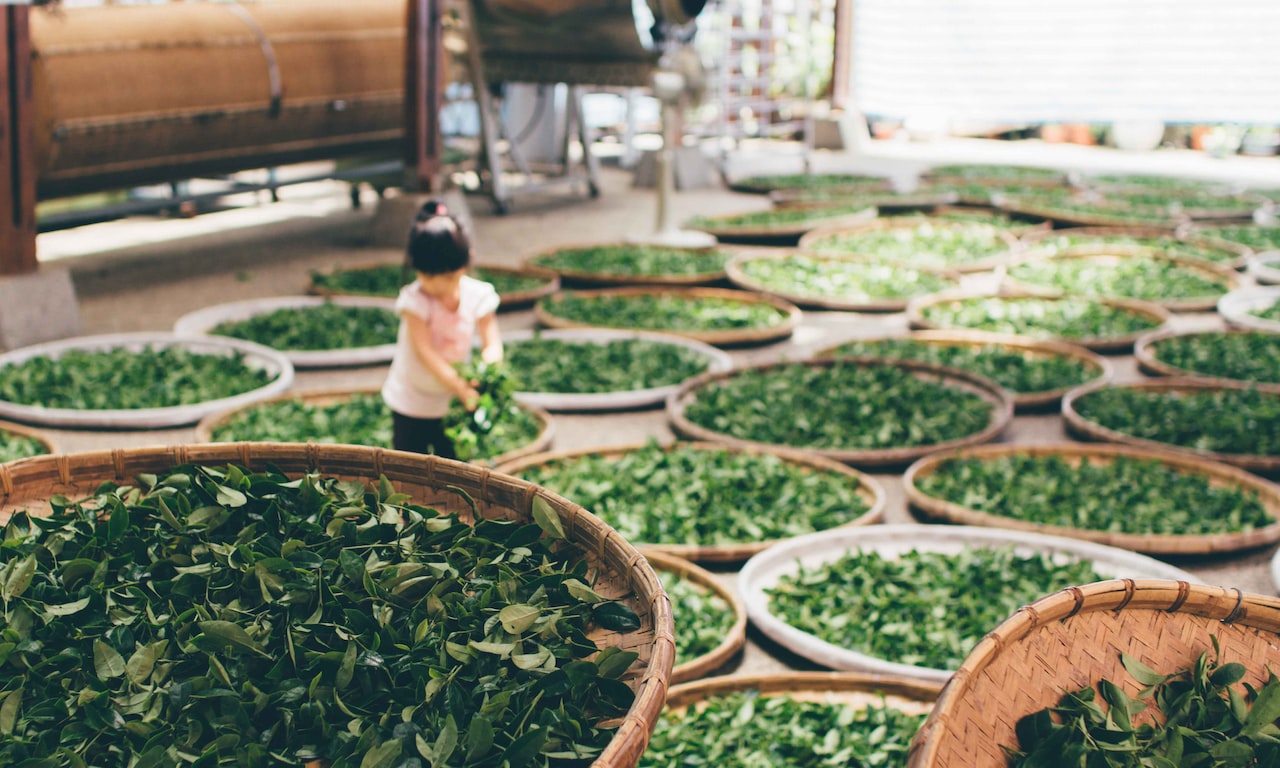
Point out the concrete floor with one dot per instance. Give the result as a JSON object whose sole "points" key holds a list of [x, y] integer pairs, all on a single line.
{"points": [[144, 273]]}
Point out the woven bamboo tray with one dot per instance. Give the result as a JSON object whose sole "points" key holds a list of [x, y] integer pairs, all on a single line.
{"points": [[1219, 475], [1122, 343], [812, 240], [734, 639], [998, 398], [1082, 427], [780, 234], [868, 488], [1237, 308], [760, 185], [1073, 639], [211, 423], [545, 315], [854, 689], [763, 572], [508, 300], [1200, 236], [1144, 352], [1034, 239], [1243, 204], [619, 570], [589, 278], [884, 200], [618, 400], [1022, 401], [40, 436], [865, 304], [255, 355], [1228, 277], [1104, 217], [1265, 267], [203, 321]]}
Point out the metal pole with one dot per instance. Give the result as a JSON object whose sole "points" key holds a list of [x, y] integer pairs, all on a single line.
{"points": [[17, 151], [424, 94]]}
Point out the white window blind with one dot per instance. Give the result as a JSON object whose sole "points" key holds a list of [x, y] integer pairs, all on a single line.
{"points": [[1068, 60]]}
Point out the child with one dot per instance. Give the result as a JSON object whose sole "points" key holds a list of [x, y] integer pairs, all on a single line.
{"points": [[439, 313]]}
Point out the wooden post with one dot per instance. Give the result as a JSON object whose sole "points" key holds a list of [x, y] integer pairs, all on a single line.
{"points": [[841, 61], [17, 151], [423, 95]]}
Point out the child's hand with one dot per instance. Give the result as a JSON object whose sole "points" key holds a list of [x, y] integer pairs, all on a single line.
{"points": [[469, 397]]}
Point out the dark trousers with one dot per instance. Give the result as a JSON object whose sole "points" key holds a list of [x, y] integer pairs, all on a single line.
{"points": [[420, 436]]}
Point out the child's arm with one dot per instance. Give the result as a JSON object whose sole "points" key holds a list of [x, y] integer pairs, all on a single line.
{"points": [[490, 338], [420, 337]]}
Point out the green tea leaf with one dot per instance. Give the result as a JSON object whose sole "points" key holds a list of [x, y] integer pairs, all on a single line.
{"points": [[108, 662], [547, 518]]}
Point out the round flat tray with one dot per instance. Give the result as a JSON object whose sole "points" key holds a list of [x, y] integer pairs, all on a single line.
{"points": [[40, 436], [202, 321], [209, 424], [884, 200], [1083, 427], [1121, 343], [727, 337], [813, 238], [611, 401], [1144, 352], [780, 234], [1265, 267], [508, 300], [1001, 414], [868, 488], [1219, 475], [763, 571], [1082, 218], [1236, 307], [865, 304], [734, 639], [1229, 277], [1022, 401], [269, 360], [613, 278], [1033, 239], [852, 688]]}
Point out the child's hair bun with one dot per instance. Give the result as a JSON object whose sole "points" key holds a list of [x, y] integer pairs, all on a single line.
{"points": [[431, 209]]}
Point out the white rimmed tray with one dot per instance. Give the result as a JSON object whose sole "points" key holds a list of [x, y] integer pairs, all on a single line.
{"points": [[717, 361], [763, 571], [202, 321], [1264, 267], [1235, 308], [275, 363]]}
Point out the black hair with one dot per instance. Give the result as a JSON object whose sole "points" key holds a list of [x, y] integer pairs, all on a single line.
{"points": [[437, 242]]}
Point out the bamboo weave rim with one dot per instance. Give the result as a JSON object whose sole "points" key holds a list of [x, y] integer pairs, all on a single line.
{"points": [[1144, 352], [738, 277], [1019, 228], [619, 568], [856, 689], [868, 488], [40, 436], [728, 337], [1196, 235], [1074, 638], [745, 186], [1085, 219], [1121, 343], [614, 278], [1007, 236], [509, 300], [883, 200], [734, 639], [211, 423], [1206, 303], [996, 396], [1022, 401], [788, 232], [1030, 240], [1246, 203], [1080, 426], [1219, 476]]}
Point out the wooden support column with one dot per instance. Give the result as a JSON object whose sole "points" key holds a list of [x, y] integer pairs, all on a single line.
{"points": [[841, 61], [423, 95], [17, 151]]}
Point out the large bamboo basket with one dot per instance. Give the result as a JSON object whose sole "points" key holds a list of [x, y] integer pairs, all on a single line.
{"points": [[1199, 234], [883, 200], [619, 570], [545, 314], [1219, 475], [1243, 203], [508, 300], [815, 237], [854, 689], [997, 397], [1074, 638], [211, 423], [1082, 427], [1228, 277], [868, 488], [867, 304], [40, 436], [722, 228], [1145, 353], [734, 639], [1104, 216], [585, 277], [1116, 344], [1022, 401], [1032, 240], [760, 184]]}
